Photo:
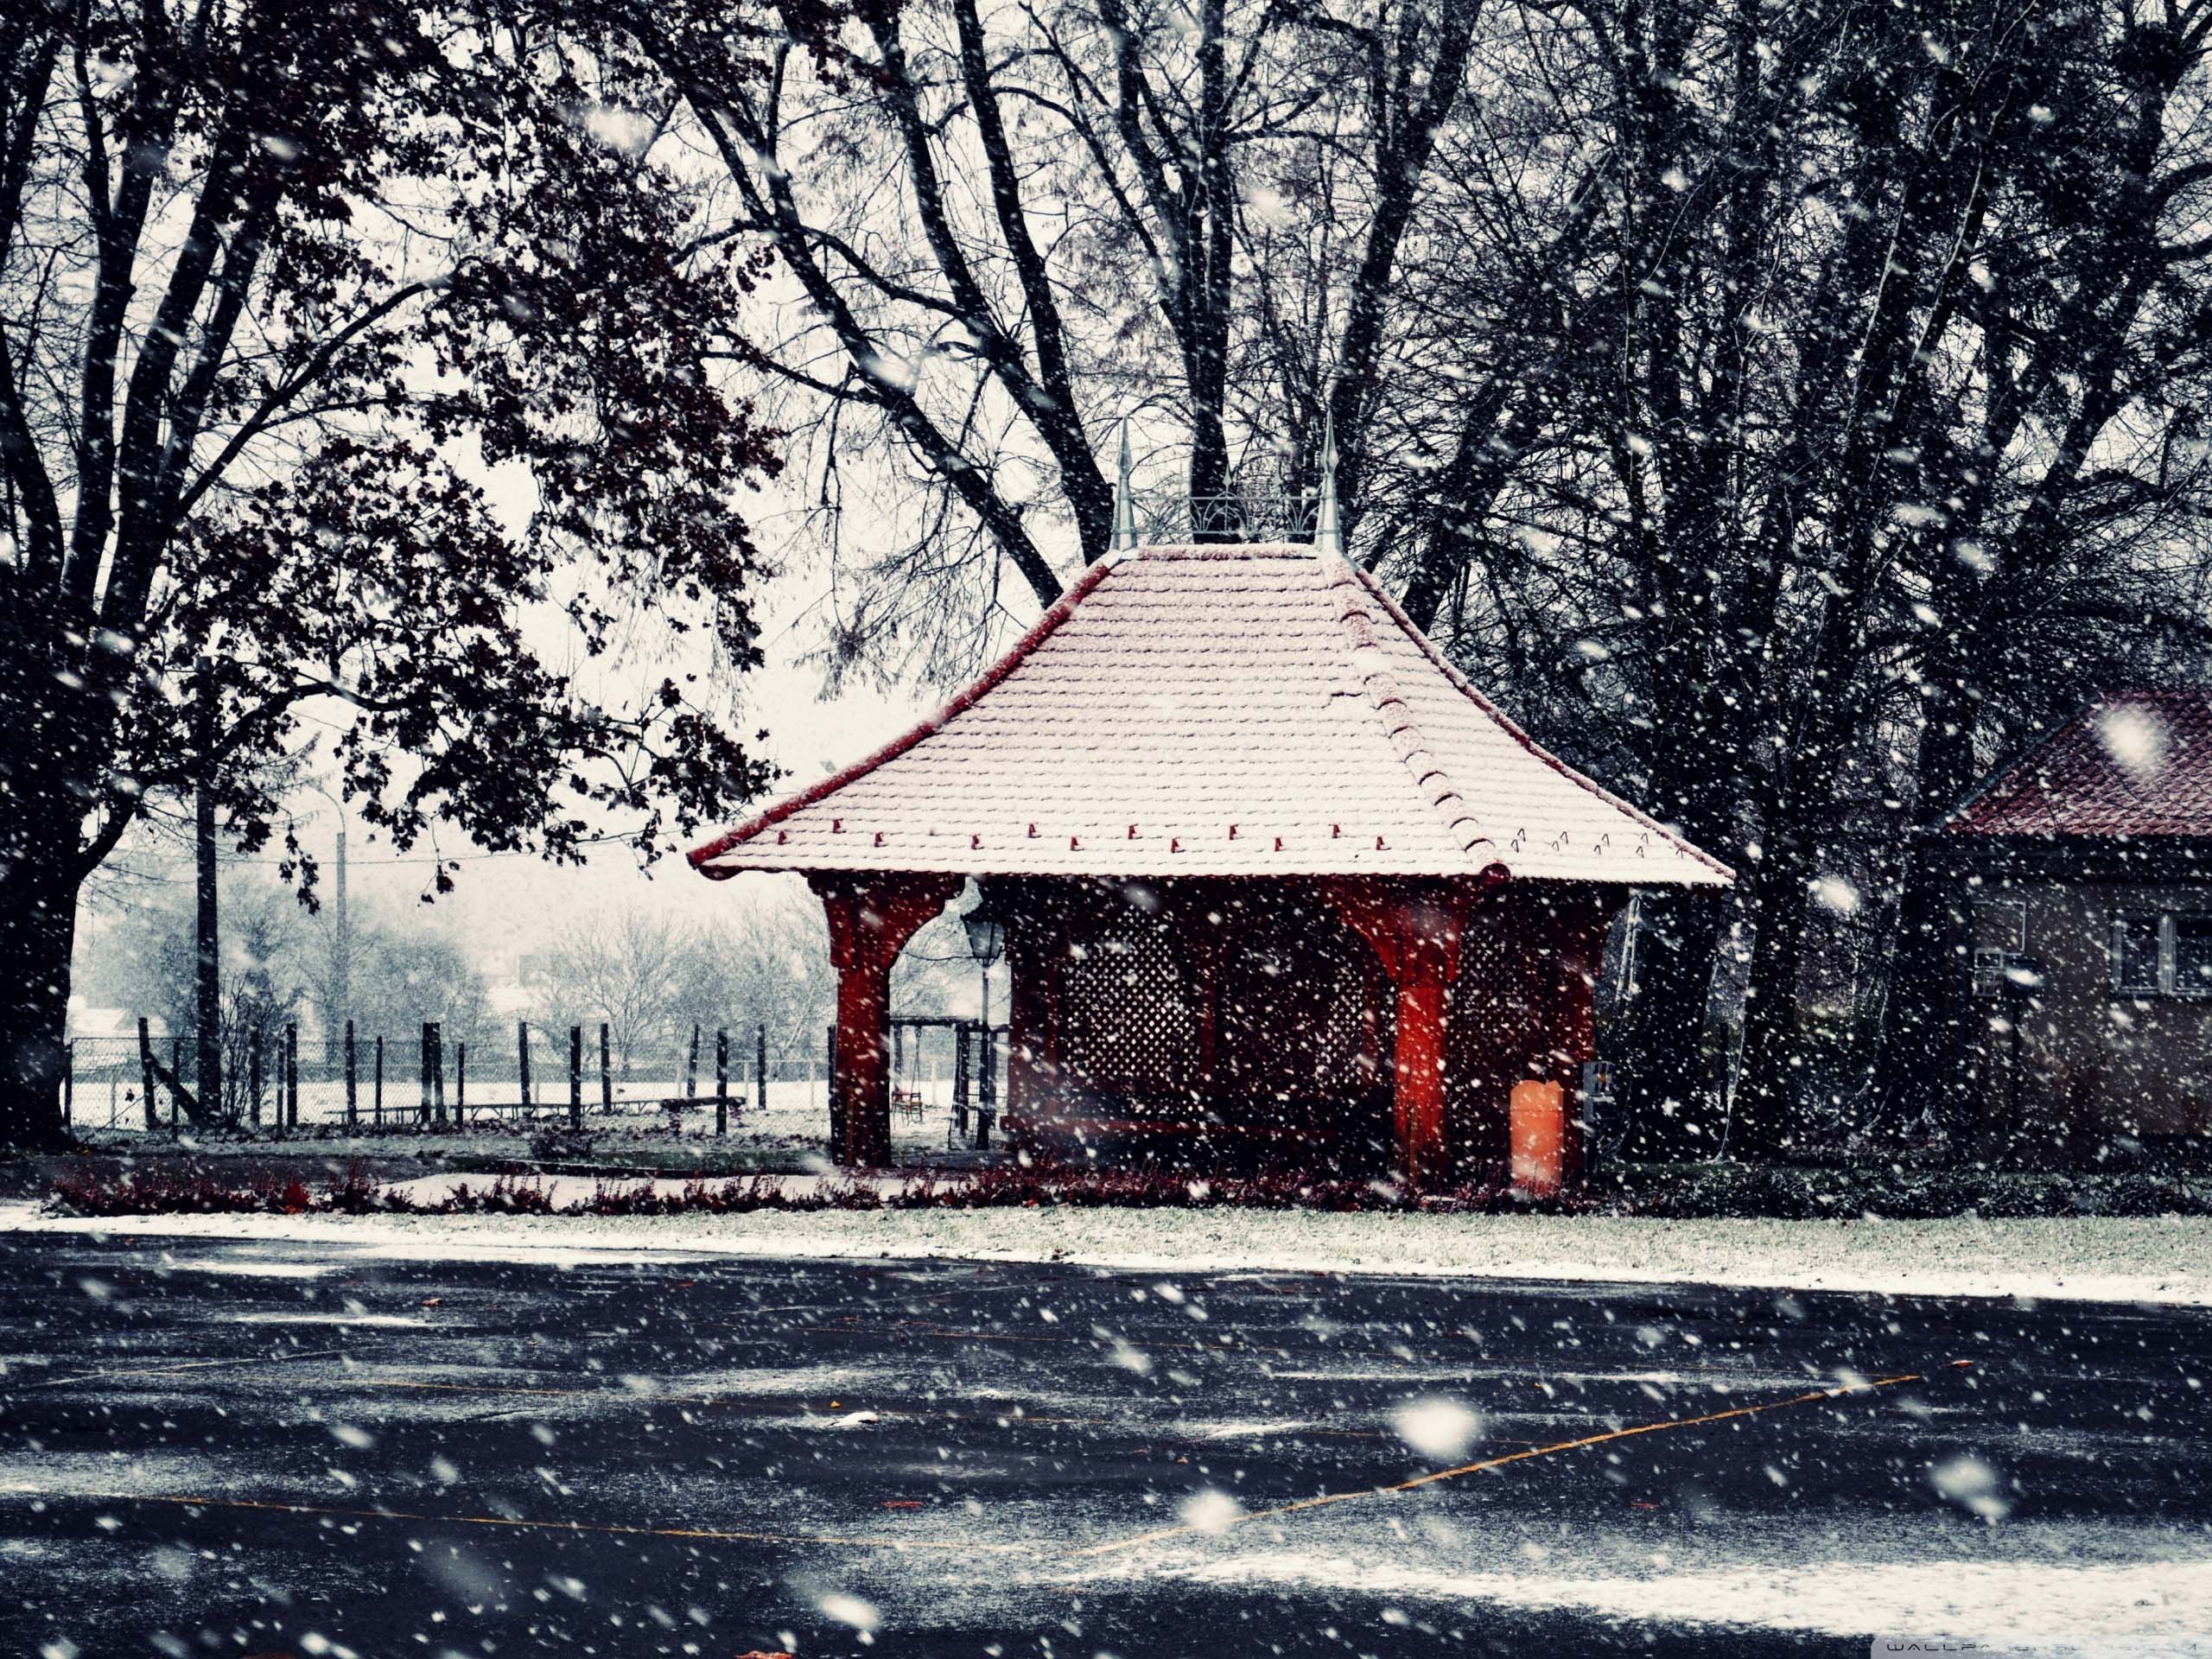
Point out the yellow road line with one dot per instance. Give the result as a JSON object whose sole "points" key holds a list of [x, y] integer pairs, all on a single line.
{"points": [[869, 1542], [1488, 1464]]}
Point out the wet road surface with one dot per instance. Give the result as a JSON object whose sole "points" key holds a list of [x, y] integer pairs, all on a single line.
{"points": [[263, 1448]]}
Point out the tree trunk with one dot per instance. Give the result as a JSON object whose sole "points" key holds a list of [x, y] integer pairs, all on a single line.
{"points": [[207, 933], [59, 729], [38, 932], [1668, 1105], [1765, 1109]]}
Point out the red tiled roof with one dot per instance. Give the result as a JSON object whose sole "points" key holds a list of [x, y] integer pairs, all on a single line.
{"points": [[2133, 762], [1227, 710]]}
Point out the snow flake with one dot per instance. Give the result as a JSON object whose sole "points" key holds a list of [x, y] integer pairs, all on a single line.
{"points": [[1972, 1484], [849, 1610], [1437, 1427], [2135, 738], [1211, 1511]]}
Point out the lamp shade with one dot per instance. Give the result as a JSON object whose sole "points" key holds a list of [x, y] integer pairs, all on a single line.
{"points": [[986, 934]]}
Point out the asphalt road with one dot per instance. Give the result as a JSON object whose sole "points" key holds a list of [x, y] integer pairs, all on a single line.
{"points": [[271, 1448]]}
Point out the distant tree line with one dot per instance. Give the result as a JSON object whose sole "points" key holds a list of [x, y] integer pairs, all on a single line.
{"points": [[649, 979]]}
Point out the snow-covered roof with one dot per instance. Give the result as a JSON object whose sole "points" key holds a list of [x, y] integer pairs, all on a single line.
{"points": [[1217, 711], [2133, 763]]}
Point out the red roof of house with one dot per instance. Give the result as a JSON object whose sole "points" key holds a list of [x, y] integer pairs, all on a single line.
{"points": [[2133, 762], [1220, 710]]}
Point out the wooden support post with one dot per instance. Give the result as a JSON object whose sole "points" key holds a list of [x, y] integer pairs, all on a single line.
{"points": [[253, 1076], [292, 1075], [438, 1072], [761, 1069], [522, 1059], [1415, 927], [963, 1070], [378, 1101], [460, 1084], [721, 1081], [575, 1076], [353, 1080], [146, 1073], [871, 919], [176, 1076], [606, 1073], [422, 1076], [69, 1085]]}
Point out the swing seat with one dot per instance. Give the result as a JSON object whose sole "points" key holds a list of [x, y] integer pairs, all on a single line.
{"points": [[908, 1103]]}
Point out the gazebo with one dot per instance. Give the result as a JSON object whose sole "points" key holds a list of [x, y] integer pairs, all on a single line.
{"points": [[1272, 874]]}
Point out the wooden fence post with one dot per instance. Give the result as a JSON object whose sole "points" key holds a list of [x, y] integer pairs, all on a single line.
{"points": [[352, 1081], [461, 1084], [761, 1070], [253, 1076], [721, 1081], [575, 1076], [422, 1076], [292, 1075], [438, 1070], [377, 1100], [522, 1055], [691, 1066], [606, 1074], [176, 1072], [146, 1072]]}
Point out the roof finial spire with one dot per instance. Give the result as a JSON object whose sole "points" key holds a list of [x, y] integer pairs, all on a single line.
{"points": [[1328, 527], [1125, 505]]}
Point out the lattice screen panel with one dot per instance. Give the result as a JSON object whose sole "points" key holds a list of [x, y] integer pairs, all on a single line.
{"points": [[1128, 1022], [1292, 1001], [1492, 1037]]}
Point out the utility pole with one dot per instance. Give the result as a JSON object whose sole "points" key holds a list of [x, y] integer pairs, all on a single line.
{"points": [[208, 967], [338, 1009], [341, 970]]}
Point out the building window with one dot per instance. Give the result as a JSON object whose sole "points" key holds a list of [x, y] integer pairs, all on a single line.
{"points": [[2192, 954], [2166, 953], [2135, 954]]}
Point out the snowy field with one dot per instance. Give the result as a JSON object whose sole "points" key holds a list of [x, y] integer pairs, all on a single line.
{"points": [[2165, 1260]]}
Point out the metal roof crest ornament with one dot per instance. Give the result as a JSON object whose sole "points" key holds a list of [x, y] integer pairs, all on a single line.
{"points": [[1125, 505], [1260, 504], [1328, 526]]}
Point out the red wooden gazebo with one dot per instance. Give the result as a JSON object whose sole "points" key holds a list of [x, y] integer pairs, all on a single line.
{"points": [[1272, 873]]}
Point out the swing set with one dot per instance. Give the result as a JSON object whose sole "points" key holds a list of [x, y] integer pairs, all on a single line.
{"points": [[975, 1058]]}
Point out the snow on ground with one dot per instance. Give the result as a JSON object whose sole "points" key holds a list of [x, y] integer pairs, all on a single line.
{"points": [[2035, 1602], [797, 1112], [2100, 1259]]}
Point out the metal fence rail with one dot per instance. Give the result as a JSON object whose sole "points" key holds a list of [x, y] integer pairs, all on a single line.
{"points": [[424, 1080]]}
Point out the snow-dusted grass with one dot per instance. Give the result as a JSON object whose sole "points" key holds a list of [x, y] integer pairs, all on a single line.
{"points": [[2103, 1258], [796, 1111]]}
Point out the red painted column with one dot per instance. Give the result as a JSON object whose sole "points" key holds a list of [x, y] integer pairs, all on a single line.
{"points": [[871, 919], [1415, 928], [1418, 1100]]}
